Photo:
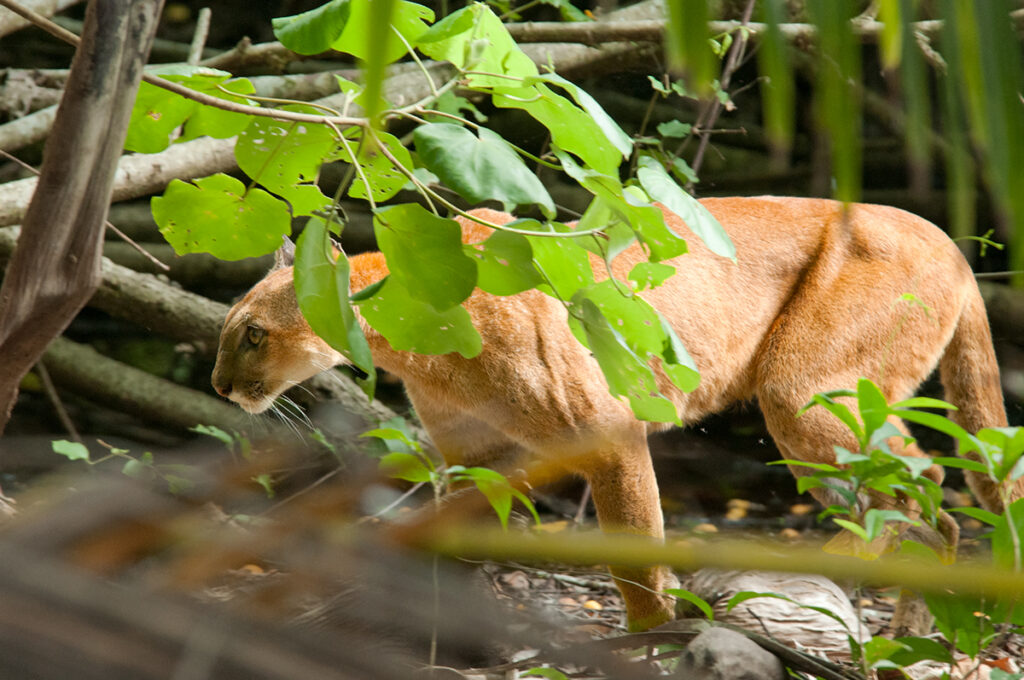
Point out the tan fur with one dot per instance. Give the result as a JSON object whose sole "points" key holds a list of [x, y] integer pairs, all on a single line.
{"points": [[813, 304]]}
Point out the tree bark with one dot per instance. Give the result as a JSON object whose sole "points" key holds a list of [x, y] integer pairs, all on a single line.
{"points": [[57, 264]]}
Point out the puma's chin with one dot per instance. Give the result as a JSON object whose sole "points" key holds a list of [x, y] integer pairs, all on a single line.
{"points": [[254, 406]]}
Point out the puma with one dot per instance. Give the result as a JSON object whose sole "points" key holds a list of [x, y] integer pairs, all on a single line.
{"points": [[812, 304]]}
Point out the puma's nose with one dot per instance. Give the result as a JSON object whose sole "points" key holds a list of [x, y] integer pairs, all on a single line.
{"points": [[223, 389]]}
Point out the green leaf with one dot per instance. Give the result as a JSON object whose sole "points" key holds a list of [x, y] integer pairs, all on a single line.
{"points": [[384, 179], [549, 673], [71, 450], [612, 132], [646, 220], [341, 25], [979, 514], [217, 433], [923, 402], [920, 649], [572, 129], [495, 487], [414, 326], [697, 601], [875, 521], [564, 265], [140, 468], [853, 528], [286, 159], [322, 289], [663, 189], [424, 254], [313, 32], [480, 168], [650, 274], [156, 115], [872, 405], [217, 215], [626, 373], [674, 129], [837, 409], [677, 362], [392, 434], [473, 38], [405, 466], [267, 482], [504, 264]]}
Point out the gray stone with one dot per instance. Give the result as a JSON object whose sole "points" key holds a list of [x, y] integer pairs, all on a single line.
{"points": [[723, 654]]}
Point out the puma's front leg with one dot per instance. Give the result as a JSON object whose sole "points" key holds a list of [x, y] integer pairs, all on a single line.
{"points": [[625, 494]]}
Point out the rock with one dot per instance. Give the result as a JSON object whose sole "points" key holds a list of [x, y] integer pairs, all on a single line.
{"points": [[723, 654], [795, 625]]}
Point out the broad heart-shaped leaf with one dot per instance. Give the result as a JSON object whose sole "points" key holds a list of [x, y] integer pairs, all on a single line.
{"points": [[313, 32], [286, 159], [562, 263], [424, 255], [209, 120], [571, 128], [408, 19], [480, 168], [321, 286], [504, 264], [473, 38], [158, 113], [650, 274], [626, 373], [341, 25], [383, 178], [662, 188], [616, 234], [646, 220], [217, 215], [619, 139], [414, 326]]}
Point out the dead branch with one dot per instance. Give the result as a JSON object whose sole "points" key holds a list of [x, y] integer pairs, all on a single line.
{"points": [[11, 22], [90, 374]]}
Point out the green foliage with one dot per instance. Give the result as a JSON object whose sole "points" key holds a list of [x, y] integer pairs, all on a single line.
{"points": [[322, 290], [968, 622], [406, 460], [220, 216], [178, 478], [480, 168], [158, 113], [418, 307]]}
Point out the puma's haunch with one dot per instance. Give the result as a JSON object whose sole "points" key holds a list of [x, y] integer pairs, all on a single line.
{"points": [[814, 302]]}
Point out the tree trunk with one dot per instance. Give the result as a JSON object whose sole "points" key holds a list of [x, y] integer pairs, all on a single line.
{"points": [[56, 267]]}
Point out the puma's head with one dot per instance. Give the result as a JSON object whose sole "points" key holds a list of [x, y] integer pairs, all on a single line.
{"points": [[266, 345]]}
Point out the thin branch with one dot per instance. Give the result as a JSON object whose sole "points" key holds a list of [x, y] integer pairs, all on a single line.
{"points": [[653, 30], [106, 223], [195, 50]]}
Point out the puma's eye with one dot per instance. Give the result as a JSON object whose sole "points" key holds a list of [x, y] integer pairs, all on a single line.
{"points": [[254, 334]]}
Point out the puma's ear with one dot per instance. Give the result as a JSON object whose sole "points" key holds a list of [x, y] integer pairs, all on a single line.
{"points": [[285, 255]]}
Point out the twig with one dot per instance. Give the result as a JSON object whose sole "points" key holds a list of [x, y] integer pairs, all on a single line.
{"points": [[201, 97], [731, 63], [58, 405], [107, 223], [195, 50]]}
